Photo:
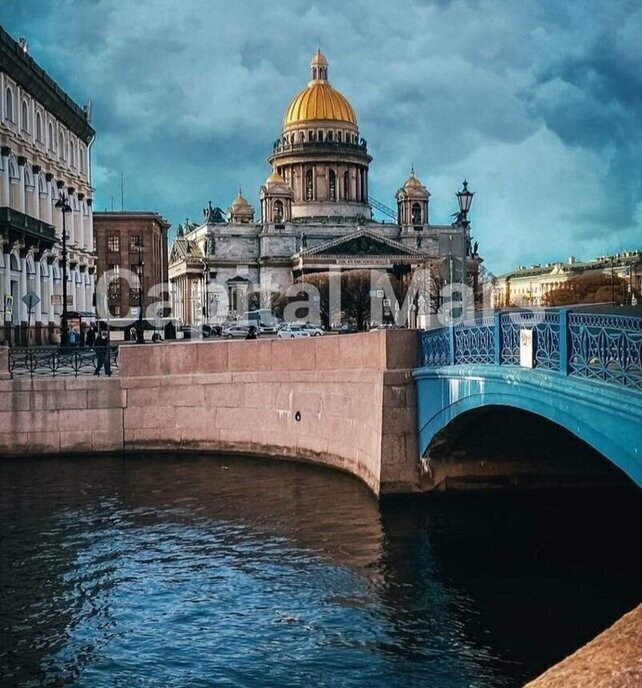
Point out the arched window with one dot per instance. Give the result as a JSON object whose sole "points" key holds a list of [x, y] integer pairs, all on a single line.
{"points": [[278, 211], [24, 116], [52, 140], [329, 137], [320, 136], [38, 127], [72, 154], [61, 145], [301, 136], [81, 158], [339, 136], [332, 185], [309, 190], [8, 98], [346, 186], [416, 214]]}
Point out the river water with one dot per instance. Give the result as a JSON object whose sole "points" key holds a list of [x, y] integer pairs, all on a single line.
{"points": [[195, 571]]}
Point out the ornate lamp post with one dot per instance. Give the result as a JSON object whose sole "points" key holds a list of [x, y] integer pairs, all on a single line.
{"points": [[465, 200], [63, 205]]}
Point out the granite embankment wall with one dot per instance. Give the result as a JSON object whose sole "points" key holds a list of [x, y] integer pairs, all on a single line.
{"points": [[343, 401]]}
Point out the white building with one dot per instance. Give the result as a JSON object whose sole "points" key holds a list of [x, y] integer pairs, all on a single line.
{"points": [[530, 286], [315, 215], [45, 141]]}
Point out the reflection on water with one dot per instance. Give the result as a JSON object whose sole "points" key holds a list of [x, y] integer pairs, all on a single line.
{"points": [[202, 571]]}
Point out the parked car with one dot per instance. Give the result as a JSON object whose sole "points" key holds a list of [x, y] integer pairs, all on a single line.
{"points": [[191, 332], [289, 331], [314, 330], [346, 328], [267, 329], [235, 332]]}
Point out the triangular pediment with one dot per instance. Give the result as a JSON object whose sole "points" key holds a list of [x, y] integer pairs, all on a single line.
{"points": [[184, 249], [362, 243]]}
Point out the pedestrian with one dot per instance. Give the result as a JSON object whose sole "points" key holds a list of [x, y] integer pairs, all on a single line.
{"points": [[103, 354], [90, 339], [251, 333], [156, 337]]}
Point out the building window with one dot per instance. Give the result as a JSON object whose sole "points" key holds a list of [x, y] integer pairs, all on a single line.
{"points": [[346, 186], [114, 269], [339, 136], [72, 154], [329, 137], [113, 291], [135, 242], [416, 214], [113, 243], [38, 127], [61, 145], [9, 104], [320, 135], [309, 192], [81, 158], [24, 116], [52, 140], [137, 270], [278, 211], [332, 185]]}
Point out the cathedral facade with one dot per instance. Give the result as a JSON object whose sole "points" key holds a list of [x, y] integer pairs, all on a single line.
{"points": [[315, 214]]}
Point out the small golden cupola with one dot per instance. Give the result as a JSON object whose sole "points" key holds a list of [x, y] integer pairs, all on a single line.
{"points": [[241, 211], [276, 200], [412, 202]]}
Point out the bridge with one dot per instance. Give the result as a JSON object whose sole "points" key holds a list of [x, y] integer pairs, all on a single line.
{"points": [[581, 370]]}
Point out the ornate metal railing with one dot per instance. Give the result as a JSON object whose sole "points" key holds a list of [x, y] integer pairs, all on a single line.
{"points": [[545, 326], [435, 348], [52, 361], [606, 347], [597, 346]]}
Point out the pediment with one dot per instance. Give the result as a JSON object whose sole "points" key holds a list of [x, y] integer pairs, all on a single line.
{"points": [[362, 243]]}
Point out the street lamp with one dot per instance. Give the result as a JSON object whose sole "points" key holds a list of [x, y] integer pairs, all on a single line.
{"points": [[64, 207], [140, 334], [465, 200]]}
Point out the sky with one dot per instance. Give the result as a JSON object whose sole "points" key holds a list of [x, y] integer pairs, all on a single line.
{"points": [[537, 103]]}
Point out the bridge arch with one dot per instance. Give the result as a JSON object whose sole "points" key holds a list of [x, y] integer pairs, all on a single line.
{"points": [[606, 419]]}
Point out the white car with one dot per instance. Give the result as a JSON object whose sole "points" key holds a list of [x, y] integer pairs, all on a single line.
{"points": [[292, 332], [314, 330], [235, 332]]}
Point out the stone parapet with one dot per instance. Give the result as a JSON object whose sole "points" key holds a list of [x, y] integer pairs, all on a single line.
{"points": [[4, 363], [343, 401]]}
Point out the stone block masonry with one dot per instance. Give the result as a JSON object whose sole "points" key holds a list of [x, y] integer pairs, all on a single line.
{"points": [[343, 401]]}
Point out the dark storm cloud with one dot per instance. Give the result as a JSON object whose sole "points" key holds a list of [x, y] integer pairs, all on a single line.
{"points": [[538, 103]]}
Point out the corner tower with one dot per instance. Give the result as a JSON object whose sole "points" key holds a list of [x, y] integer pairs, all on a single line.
{"points": [[320, 155]]}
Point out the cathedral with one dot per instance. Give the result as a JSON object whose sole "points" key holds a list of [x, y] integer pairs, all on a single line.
{"points": [[315, 214]]}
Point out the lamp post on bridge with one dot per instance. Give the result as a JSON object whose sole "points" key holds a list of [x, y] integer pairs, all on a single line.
{"points": [[140, 332], [63, 205]]}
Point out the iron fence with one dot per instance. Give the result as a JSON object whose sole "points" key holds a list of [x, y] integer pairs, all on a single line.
{"points": [[52, 361]]}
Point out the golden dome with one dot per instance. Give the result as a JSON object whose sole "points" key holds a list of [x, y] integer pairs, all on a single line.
{"points": [[240, 202], [319, 101], [412, 182], [275, 178], [319, 59]]}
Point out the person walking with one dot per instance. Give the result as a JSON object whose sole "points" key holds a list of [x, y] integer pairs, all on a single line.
{"points": [[90, 339], [103, 354], [251, 333]]}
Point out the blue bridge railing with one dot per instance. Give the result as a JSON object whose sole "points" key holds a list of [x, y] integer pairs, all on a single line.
{"points": [[598, 346]]}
